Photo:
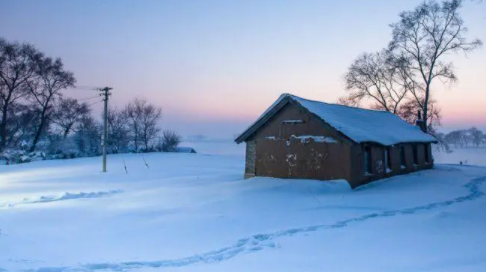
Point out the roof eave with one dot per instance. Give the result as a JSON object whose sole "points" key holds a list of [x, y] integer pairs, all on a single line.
{"points": [[262, 120], [399, 143]]}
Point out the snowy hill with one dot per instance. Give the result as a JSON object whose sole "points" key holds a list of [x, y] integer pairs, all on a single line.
{"points": [[193, 212]]}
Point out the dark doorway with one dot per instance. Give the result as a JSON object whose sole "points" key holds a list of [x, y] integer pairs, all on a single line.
{"points": [[388, 157], [426, 151], [415, 154], [367, 159], [403, 161]]}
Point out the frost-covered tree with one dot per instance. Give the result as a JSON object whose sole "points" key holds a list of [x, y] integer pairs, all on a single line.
{"points": [[21, 124]]}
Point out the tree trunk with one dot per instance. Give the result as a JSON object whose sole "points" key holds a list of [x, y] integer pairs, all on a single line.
{"points": [[426, 107], [136, 138], [66, 131], [3, 128], [39, 131]]}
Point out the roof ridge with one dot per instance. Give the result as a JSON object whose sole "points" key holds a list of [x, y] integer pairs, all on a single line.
{"points": [[335, 104]]}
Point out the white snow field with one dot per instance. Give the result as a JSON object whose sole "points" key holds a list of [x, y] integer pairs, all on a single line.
{"points": [[194, 212]]}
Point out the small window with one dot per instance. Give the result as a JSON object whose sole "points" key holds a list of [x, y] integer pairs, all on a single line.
{"points": [[403, 161], [367, 159], [293, 122], [415, 155], [388, 159], [426, 153]]}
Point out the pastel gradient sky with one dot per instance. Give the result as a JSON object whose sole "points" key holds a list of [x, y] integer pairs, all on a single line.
{"points": [[214, 66]]}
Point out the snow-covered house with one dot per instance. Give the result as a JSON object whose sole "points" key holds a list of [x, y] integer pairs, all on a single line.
{"points": [[300, 138]]}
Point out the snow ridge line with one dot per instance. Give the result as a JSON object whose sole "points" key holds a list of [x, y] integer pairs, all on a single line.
{"points": [[260, 242], [64, 196]]}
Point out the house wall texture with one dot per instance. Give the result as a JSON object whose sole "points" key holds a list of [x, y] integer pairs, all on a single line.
{"points": [[292, 144], [250, 159]]}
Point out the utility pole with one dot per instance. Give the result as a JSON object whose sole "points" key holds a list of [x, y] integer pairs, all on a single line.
{"points": [[105, 92]]}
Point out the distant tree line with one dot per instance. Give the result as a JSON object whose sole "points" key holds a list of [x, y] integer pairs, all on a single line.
{"points": [[37, 119], [464, 138]]}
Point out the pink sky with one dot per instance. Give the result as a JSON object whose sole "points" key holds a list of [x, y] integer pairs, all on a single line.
{"points": [[214, 66]]}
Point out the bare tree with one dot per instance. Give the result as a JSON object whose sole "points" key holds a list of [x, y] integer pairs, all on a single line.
{"points": [[118, 132], [378, 78], [143, 122], [67, 112], [149, 126], [15, 69], [45, 89], [454, 137], [132, 112], [423, 37], [408, 112]]}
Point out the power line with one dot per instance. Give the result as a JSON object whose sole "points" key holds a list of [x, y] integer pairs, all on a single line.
{"points": [[88, 98], [91, 88], [95, 103], [84, 88]]}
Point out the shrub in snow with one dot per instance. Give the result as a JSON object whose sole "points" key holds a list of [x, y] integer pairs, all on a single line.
{"points": [[169, 141], [20, 156]]}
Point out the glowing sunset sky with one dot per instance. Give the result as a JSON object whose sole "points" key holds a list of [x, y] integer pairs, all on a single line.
{"points": [[214, 66]]}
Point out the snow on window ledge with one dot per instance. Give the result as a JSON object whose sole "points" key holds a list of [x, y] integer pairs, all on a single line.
{"points": [[318, 139], [368, 174], [403, 167]]}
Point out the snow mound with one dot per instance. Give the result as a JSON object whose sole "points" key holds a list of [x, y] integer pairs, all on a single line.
{"points": [[64, 196]]}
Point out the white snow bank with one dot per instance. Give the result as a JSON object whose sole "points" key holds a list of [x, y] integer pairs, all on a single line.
{"points": [[468, 156], [64, 196]]}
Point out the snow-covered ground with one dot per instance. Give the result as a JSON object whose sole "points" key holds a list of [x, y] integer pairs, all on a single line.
{"points": [[194, 212], [217, 147], [469, 156]]}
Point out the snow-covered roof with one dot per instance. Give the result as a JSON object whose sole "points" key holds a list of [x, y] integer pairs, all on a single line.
{"points": [[359, 125], [184, 149]]}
